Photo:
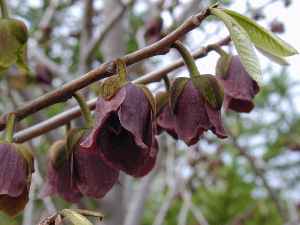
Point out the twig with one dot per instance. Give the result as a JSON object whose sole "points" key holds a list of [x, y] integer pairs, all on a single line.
{"points": [[106, 69], [73, 113]]}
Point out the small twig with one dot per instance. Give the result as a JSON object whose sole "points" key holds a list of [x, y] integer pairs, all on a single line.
{"points": [[73, 113]]}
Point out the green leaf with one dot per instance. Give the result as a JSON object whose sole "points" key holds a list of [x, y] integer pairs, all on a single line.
{"points": [[242, 43], [261, 37], [74, 217], [277, 59], [13, 38]]}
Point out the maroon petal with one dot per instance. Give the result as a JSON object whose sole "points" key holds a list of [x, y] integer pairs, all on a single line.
{"points": [[216, 121], [239, 87], [13, 171], [13, 205], [103, 110], [119, 150], [190, 115], [135, 114], [62, 181], [95, 178], [166, 122]]}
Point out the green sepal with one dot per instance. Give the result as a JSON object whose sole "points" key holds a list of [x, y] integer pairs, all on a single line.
{"points": [[161, 99], [111, 86], [58, 153], [176, 89], [149, 96], [13, 38], [73, 137], [74, 217], [27, 155], [209, 88], [223, 65]]}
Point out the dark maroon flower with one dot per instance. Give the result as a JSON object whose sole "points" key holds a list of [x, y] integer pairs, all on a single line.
{"points": [[165, 119], [95, 178], [193, 114], [61, 177], [239, 87], [16, 168], [74, 171], [124, 131]]}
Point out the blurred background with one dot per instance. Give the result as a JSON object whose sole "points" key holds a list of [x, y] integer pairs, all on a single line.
{"points": [[251, 178]]}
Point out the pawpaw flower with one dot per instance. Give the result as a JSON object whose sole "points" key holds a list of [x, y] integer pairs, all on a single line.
{"points": [[193, 113], [124, 131], [165, 119], [61, 176], [94, 177], [74, 171], [196, 102], [16, 168], [239, 88]]}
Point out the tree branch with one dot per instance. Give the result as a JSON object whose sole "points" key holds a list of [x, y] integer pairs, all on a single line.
{"points": [[68, 115], [106, 69]]}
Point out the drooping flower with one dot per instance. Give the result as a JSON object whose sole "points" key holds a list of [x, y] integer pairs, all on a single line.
{"points": [[124, 132], [192, 111], [61, 176], [239, 87], [74, 172], [195, 102], [94, 177], [16, 168], [165, 119]]}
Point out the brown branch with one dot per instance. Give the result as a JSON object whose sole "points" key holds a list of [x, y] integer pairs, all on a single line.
{"points": [[73, 113], [107, 69]]}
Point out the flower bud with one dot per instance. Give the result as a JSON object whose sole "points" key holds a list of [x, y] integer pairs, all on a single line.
{"points": [[16, 168], [239, 87]]}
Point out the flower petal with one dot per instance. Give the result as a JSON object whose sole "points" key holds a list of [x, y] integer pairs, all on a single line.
{"points": [[190, 114], [13, 171], [239, 87], [103, 109], [95, 178]]}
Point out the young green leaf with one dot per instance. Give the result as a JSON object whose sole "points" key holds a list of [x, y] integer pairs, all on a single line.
{"points": [[261, 37], [242, 43], [274, 58]]}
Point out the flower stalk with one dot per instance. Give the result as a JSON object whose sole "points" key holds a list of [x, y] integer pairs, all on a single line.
{"points": [[10, 125], [85, 110], [188, 58], [4, 9]]}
